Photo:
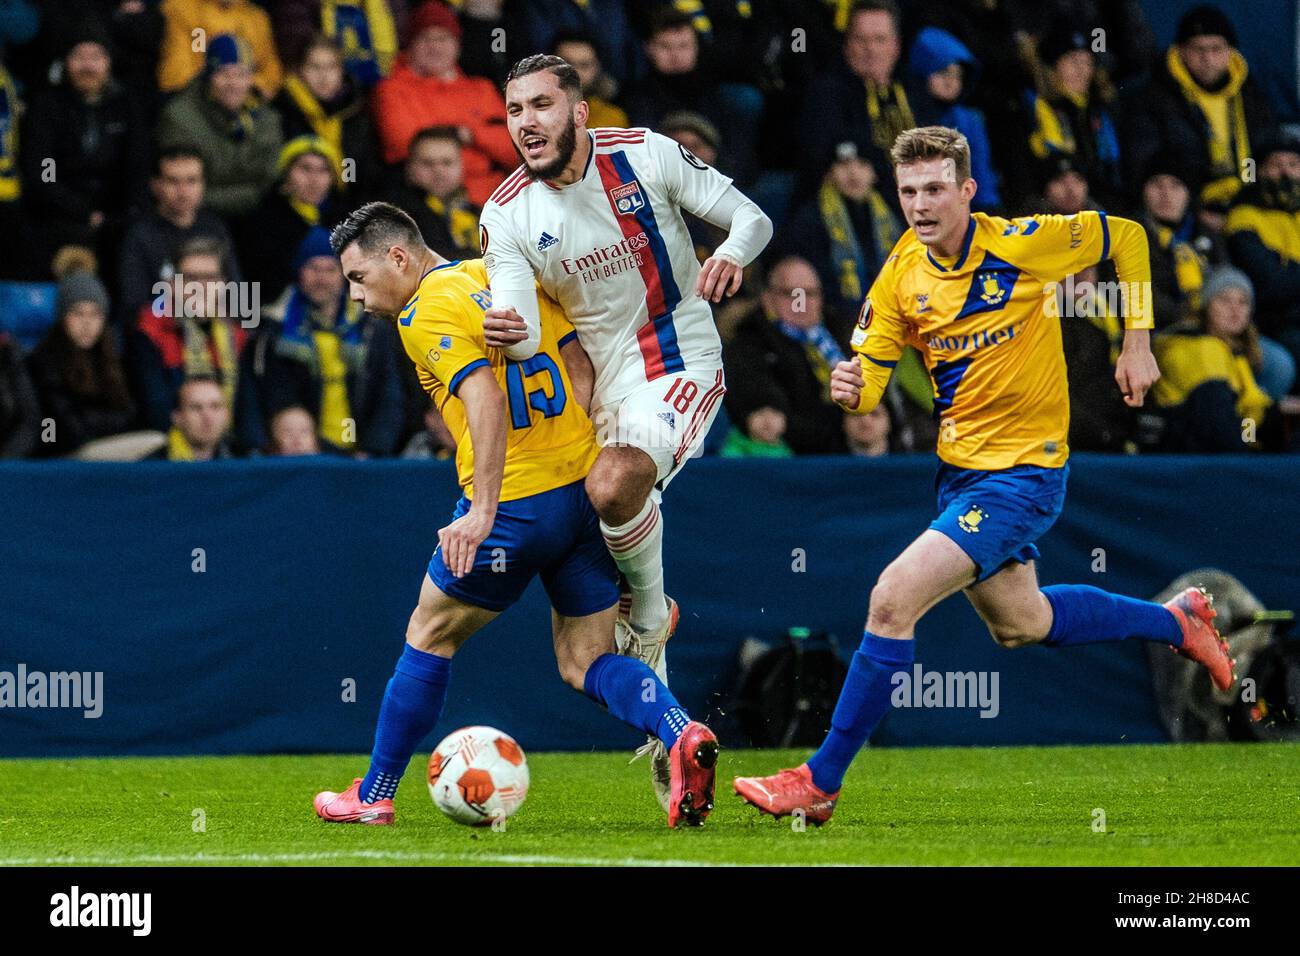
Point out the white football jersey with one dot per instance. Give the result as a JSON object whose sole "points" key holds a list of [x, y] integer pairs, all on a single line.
{"points": [[614, 251]]}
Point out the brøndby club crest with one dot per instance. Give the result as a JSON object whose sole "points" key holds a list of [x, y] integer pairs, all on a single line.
{"points": [[970, 521], [991, 290]]}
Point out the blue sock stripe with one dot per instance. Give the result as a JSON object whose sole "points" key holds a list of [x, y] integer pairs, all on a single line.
{"points": [[383, 787], [671, 725]]}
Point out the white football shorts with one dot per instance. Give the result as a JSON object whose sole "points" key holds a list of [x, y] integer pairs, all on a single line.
{"points": [[667, 419]]}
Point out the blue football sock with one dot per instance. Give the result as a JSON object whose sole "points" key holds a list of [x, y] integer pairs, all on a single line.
{"points": [[632, 693], [1082, 614], [864, 700], [412, 703]]}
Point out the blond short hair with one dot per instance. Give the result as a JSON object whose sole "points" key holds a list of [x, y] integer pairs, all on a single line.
{"points": [[933, 142]]}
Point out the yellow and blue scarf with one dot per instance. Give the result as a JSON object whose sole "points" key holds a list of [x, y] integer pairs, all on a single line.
{"points": [[823, 352], [460, 217], [846, 251], [365, 33], [332, 353], [1225, 116], [890, 113], [1189, 268]]}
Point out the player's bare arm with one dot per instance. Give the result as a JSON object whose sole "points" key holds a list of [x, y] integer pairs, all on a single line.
{"points": [[485, 411], [582, 374]]}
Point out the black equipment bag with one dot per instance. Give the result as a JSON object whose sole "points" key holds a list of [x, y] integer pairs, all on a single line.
{"points": [[786, 692]]}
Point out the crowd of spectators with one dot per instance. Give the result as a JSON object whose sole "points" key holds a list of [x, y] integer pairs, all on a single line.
{"points": [[219, 140]]}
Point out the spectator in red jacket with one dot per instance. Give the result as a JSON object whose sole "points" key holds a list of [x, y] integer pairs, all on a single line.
{"points": [[428, 88], [191, 329]]}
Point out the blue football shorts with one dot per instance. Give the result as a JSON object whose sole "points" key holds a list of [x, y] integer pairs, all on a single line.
{"points": [[555, 534], [996, 516]]}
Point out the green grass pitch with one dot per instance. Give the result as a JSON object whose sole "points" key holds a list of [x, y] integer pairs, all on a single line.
{"points": [[1222, 805]]}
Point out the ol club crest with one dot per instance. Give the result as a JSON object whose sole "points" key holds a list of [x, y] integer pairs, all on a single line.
{"points": [[627, 198]]}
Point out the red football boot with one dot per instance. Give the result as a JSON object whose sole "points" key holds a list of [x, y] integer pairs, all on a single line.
{"points": [[1194, 611], [693, 759], [787, 792], [346, 807]]}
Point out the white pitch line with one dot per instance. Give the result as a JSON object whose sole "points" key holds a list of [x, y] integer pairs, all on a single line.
{"points": [[323, 856]]}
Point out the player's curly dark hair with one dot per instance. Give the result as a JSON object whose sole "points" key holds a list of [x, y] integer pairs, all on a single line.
{"points": [[376, 227], [538, 62]]}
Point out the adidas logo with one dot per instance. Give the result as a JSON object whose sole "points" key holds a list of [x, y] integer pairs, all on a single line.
{"points": [[546, 241], [668, 419]]}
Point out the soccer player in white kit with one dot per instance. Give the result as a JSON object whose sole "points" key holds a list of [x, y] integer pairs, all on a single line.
{"points": [[595, 217]]}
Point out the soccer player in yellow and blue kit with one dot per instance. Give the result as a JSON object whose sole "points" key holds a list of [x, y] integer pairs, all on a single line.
{"points": [[968, 292], [524, 445]]}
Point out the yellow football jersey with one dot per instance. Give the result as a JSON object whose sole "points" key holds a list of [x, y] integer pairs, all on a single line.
{"points": [[550, 441], [985, 324]]}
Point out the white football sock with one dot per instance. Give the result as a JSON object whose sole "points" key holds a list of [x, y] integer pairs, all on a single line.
{"points": [[637, 548]]}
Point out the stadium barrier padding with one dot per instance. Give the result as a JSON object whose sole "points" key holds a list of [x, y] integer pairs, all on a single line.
{"points": [[310, 568]]}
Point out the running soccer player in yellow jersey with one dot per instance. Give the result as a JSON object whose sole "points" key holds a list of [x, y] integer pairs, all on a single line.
{"points": [[968, 291], [524, 444]]}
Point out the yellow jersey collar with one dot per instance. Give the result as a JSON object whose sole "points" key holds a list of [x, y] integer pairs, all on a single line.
{"points": [[965, 251], [415, 296]]}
